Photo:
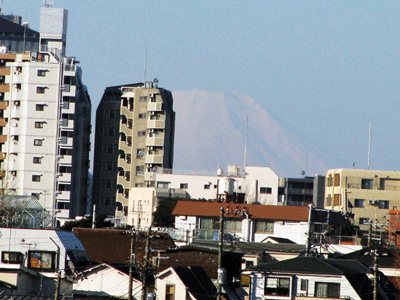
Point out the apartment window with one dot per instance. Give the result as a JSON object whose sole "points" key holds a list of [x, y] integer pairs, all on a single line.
{"points": [[42, 260], [163, 185], [139, 170], [336, 181], [110, 149], [170, 292], [142, 116], [39, 124], [36, 178], [327, 290], [127, 176], [10, 257], [277, 286], [337, 199], [140, 153], [111, 131], [383, 204], [264, 226], [367, 184], [143, 99], [265, 190], [364, 221], [63, 205], [41, 73], [207, 186], [38, 142], [113, 114], [329, 180], [40, 107], [40, 90], [359, 203], [233, 225], [129, 141], [328, 200], [141, 133], [130, 123], [184, 186], [37, 160], [128, 158]]}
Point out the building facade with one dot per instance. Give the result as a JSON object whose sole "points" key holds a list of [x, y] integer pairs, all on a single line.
{"points": [[368, 194], [45, 123]]}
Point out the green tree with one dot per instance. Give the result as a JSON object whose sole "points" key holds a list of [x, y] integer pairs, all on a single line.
{"points": [[87, 223], [163, 215]]}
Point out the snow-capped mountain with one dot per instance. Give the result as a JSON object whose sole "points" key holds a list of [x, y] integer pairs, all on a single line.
{"points": [[211, 131]]}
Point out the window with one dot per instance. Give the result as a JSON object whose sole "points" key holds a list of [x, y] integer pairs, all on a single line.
{"points": [[265, 190], [139, 170], [41, 73], [327, 290], [128, 158], [37, 160], [37, 142], [336, 181], [141, 133], [184, 186], [143, 99], [383, 204], [233, 225], [329, 180], [359, 203], [277, 286], [162, 185], [41, 260], [170, 292], [304, 286], [40, 107], [38, 124], [337, 199], [129, 141], [40, 90], [140, 153], [207, 186], [113, 114], [328, 200], [36, 178], [110, 131], [264, 226], [110, 149], [363, 221], [8, 257], [367, 184], [142, 116]]}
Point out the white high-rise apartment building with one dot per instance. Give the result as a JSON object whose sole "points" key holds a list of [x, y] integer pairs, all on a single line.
{"points": [[45, 122]]}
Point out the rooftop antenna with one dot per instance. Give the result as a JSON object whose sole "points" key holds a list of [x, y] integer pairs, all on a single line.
{"points": [[48, 3], [369, 143], [245, 142], [145, 66]]}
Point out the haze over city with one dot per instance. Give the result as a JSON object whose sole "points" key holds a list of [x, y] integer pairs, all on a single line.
{"points": [[322, 69]]}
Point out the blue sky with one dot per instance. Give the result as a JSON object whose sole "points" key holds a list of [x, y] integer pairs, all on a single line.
{"points": [[323, 68]]}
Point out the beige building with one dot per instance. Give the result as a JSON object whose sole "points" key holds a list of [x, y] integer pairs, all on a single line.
{"points": [[146, 140], [370, 194]]}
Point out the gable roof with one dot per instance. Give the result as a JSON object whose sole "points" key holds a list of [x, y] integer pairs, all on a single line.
{"points": [[196, 281], [256, 211], [313, 265]]}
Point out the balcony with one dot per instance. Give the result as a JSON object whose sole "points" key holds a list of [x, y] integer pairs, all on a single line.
{"points": [[69, 90], [67, 124], [3, 139], [64, 177], [65, 160], [155, 124], [3, 104], [154, 159], [5, 71], [68, 107], [63, 195], [3, 156], [8, 56], [122, 199], [154, 106], [154, 141], [66, 141], [4, 88], [3, 122]]}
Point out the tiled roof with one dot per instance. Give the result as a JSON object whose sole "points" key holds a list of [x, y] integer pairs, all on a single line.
{"points": [[113, 246], [256, 211]]}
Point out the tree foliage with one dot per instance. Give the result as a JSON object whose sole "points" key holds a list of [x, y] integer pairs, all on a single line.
{"points": [[163, 215], [87, 223]]}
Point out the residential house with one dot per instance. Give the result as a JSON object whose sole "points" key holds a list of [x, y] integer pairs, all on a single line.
{"points": [[106, 280], [184, 282], [305, 277], [31, 258], [253, 222]]}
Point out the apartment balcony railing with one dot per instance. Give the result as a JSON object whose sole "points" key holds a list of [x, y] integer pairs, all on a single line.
{"points": [[154, 106], [4, 88], [5, 71], [3, 104]]}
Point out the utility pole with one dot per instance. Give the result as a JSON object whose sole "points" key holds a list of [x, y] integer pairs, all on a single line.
{"points": [[146, 264], [133, 234], [375, 293], [220, 250], [57, 294], [370, 234], [308, 249]]}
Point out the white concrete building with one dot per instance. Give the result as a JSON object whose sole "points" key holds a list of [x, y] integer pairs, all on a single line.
{"points": [[45, 122], [31, 258]]}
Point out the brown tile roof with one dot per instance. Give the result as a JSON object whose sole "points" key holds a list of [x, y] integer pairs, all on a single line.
{"points": [[256, 211], [113, 245]]}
